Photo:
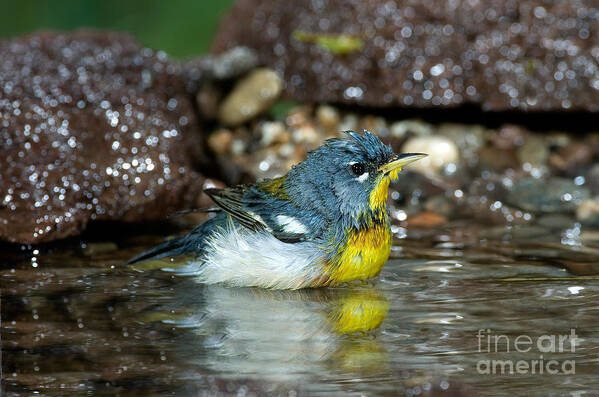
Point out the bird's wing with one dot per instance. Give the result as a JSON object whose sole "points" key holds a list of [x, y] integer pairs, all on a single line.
{"points": [[231, 200], [259, 211]]}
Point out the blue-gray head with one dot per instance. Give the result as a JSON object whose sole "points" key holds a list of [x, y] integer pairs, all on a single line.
{"points": [[350, 175]]}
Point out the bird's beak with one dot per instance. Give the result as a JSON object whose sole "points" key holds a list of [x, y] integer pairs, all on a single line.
{"points": [[399, 161]]}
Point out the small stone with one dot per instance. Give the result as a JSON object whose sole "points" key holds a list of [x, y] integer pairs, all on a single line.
{"points": [[251, 96], [493, 187], [439, 204], [427, 219], [556, 221], [208, 98], [298, 116], [492, 212], [220, 141], [400, 129], [93, 249], [588, 212], [328, 118], [231, 64], [509, 136], [572, 157], [273, 132], [441, 152], [375, 124], [533, 151], [496, 159], [349, 123], [547, 195], [306, 134], [238, 147], [582, 268], [467, 137], [592, 179]]}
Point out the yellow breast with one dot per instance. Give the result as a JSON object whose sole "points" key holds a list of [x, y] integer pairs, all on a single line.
{"points": [[363, 256], [366, 250]]}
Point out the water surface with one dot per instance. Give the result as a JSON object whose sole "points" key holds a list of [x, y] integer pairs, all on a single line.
{"points": [[76, 321]]}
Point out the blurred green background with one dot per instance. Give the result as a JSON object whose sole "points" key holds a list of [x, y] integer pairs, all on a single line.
{"points": [[182, 28]]}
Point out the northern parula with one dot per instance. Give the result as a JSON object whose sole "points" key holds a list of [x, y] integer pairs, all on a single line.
{"points": [[323, 223]]}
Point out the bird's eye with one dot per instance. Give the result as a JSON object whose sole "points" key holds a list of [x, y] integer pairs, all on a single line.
{"points": [[358, 168]]}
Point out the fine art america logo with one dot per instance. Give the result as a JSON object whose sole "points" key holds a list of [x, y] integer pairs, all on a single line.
{"points": [[490, 342]]}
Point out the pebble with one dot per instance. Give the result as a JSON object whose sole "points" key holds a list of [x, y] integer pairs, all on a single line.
{"points": [[588, 212], [440, 204], [306, 134], [509, 136], [99, 248], [533, 151], [427, 219], [231, 64], [251, 96], [571, 157], [208, 98], [401, 129], [273, 132], [547, 195], [375, 124], [441, 152], [220, 141], [555, 221], [496, 159], [349, 122], [328, 118], [592, 179]]}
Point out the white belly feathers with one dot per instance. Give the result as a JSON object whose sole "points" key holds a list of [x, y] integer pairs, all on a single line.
{"points": [[240, 257]]}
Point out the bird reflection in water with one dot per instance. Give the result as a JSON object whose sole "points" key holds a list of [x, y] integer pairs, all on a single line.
{"points": [[280, 335]]}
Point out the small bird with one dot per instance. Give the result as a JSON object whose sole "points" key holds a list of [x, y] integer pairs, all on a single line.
{"points": [[323, 223]]}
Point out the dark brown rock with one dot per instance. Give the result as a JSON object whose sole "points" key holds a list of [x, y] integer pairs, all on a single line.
{"points": [[92, 127], [528, 55]]}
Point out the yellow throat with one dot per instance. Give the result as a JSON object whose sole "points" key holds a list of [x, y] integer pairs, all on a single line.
{"points": [[366, 250]]}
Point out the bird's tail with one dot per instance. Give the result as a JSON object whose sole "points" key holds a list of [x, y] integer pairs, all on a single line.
{"points": [[172, 247], [192, 243]]}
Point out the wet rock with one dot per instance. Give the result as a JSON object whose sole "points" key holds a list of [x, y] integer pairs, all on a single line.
{"points": [[547, 195], [251, 96], [588, 212], [527, 55], [92, 127], [441, 152]]}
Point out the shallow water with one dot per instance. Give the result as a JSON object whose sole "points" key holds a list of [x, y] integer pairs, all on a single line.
{"points": [[77, 321]]}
